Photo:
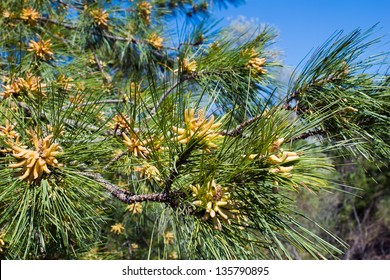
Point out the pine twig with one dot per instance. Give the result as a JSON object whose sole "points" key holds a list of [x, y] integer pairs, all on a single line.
{"points": [[114, 160], [164, 96], [309, 134], [63, 24], [108, 101], [130, 198], [238, 130], [169, 90], [299, 91], [106, 77]]}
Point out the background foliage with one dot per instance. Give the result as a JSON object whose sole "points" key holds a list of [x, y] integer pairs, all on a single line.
{"points": [[140, 130]]}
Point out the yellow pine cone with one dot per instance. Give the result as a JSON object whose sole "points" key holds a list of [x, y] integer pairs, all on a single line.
{"points": [[275, 146], [8, 131], [35, 163], [281, 157], [255, 62], [100, 17], [121, 123], [155, 41], [135, 145], [198, 128], [30, 85], [169, 237], [41, 49], [189, 66], [30, 16], [144, 11], [216, 202], [118, 228], [135, 208], [149, 172], [2, 243]]}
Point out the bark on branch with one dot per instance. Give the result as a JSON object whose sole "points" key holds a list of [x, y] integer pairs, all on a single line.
{"points": [[128, 197]]}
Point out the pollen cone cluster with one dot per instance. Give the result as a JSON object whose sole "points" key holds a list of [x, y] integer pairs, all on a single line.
{"points": [[30, 85], [149, 172], [144, 11], [100, 17], [135, 145], [120, 123], [189, 66], [198, 128], [216, 202], [155, 41], [30, 16], [35, 162], [41, 49], [280, 157], [8, 131], [255, 62]]}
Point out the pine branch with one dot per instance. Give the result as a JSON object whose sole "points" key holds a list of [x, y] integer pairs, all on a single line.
{"points": [[130, 198], [108, 101], [175, 171], [296, 94], [169, 90], [164, 96], [239, 129], [308, 134], [124, 195], [106, 77], [114, 160], [63, 24]]}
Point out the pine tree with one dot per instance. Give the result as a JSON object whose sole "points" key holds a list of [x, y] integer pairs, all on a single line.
{"points": [[123, 135]]}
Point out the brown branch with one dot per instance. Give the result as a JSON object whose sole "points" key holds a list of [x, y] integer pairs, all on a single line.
{"points": [[299, 91], [309, 134], [164, 96], [108, 101], [114, 160], [63, 24], [169, 90], [238, 130], [124, 195], [106, 77]]}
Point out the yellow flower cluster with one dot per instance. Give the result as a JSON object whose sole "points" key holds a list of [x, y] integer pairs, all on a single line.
{"points": [[12, 89], [135, 145], [135, 92], [255, 62], [118, 228], [100, 17], [8, 131], [7, 14], [41, 49], [31, 85], [216, 202], [144, 11], [120, 123], [198, 128], [64, 82], [155, 41], [35, 162], [76, 99], [2, 243], [149, 172], [189, 66], [173, 255], [280, 157], [169, 238], [30, 16], [135, 208]]}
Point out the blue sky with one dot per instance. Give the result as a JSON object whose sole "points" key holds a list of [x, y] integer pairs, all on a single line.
{"points": [[306, 24]]}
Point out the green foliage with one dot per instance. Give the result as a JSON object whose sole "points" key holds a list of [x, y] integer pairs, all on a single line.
{"points": [[122, 139]]}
